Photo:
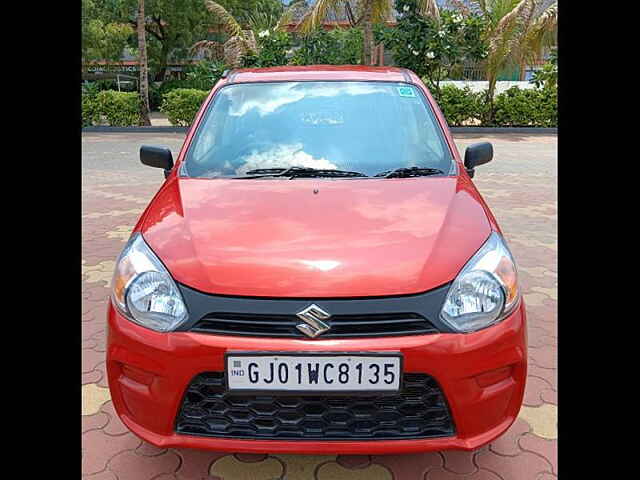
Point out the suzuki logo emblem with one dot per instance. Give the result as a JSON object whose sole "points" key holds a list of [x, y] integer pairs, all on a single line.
{"points": [[314, 317]]}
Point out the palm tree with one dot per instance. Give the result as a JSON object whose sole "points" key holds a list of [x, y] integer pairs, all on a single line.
{"points": [[144, 69], [241, 41], [517, 32], [368, 12]]}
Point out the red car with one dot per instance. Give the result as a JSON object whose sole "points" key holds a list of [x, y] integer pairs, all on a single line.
{"points": [[317, 274]]}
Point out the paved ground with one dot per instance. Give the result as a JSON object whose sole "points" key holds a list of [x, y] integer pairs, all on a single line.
{"points": [[520, 187]]}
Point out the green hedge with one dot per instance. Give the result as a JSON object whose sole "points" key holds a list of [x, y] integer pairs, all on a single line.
{"points": [[181, 105], [527, 108], [515, 107], [90, 115], [460, 106], [120, 109]]}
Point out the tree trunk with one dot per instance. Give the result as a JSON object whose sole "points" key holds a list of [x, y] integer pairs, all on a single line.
{"points": [[489, 114], [164, 64], [144, 70], [367, 24]]}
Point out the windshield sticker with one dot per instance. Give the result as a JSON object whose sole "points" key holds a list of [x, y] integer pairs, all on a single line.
{"points": [[406, 92]]}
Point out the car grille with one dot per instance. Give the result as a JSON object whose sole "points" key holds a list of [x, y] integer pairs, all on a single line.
{"points": [[419, 410], [373, 325]]}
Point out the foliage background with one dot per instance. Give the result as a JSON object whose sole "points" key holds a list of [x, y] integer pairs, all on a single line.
{"points": [[435, 50]]}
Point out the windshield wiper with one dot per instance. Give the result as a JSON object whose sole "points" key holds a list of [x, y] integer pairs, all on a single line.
{"points": [[293, 172], [409, 172]]}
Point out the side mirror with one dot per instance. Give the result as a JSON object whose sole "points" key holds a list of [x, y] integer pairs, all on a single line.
{"points": [[157, 157], [477, 154]]}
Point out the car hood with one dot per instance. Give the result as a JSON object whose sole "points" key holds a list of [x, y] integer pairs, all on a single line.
{"points": [[315, 238]]}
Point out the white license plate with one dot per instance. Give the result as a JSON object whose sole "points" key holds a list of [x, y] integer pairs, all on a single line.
{"points": [[314, 373]]}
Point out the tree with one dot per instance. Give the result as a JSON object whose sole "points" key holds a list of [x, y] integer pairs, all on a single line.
{"points": [[368, 13], [144, 71], [243, 27], [246, 11], [241, 42], [517, 31], [171, 26], [101, 40], [265, 15], [547, 76], [434, 46]]}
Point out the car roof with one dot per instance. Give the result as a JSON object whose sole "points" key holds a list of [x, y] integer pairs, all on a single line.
{"points": [[321, 72]]}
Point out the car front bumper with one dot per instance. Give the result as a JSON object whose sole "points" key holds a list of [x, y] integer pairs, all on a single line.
{"points": [[482, 375]]}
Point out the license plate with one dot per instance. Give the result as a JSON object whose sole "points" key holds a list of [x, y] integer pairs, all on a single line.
{"points": [[314, 373]]}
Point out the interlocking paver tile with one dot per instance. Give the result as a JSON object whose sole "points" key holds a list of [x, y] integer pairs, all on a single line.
{"points": [[544, 357], [543, 447], [519, 186], [99, 448], [442, 474], [149, 450], [335, 471], [90, 359], [115, 427], [94, 422], [546, 476], [130, 466], [94, 376], [507, 444], [93, 397], [121, 232], [459, 462], [413, 465], [354, 461], [195, 464], [251, 457], [543, 420], [523, 466], [302, 467], [105, 475], [104, 380], [89, 329], [549, 396], [230, 468], [101, 272], [533, 389]]}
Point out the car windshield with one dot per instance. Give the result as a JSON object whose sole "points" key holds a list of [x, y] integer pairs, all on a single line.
{"points": [[364, 127]]}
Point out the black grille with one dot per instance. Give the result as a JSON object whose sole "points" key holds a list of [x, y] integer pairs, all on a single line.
{"points": [[419, 410], [267, 325]]}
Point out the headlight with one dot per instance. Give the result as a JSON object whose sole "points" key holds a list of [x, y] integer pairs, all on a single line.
{"points": [[485, 291], [143, 289]]}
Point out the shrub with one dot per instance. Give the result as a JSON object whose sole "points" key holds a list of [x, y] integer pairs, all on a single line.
{"points": [[549, 107], [548, 75], [121, 109], [182, 105], [204, 74], [155, 98], [513, 108], [335, 47], [460, 106], [274, 48], [175, 84], [526, 108], [89, 113]]}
